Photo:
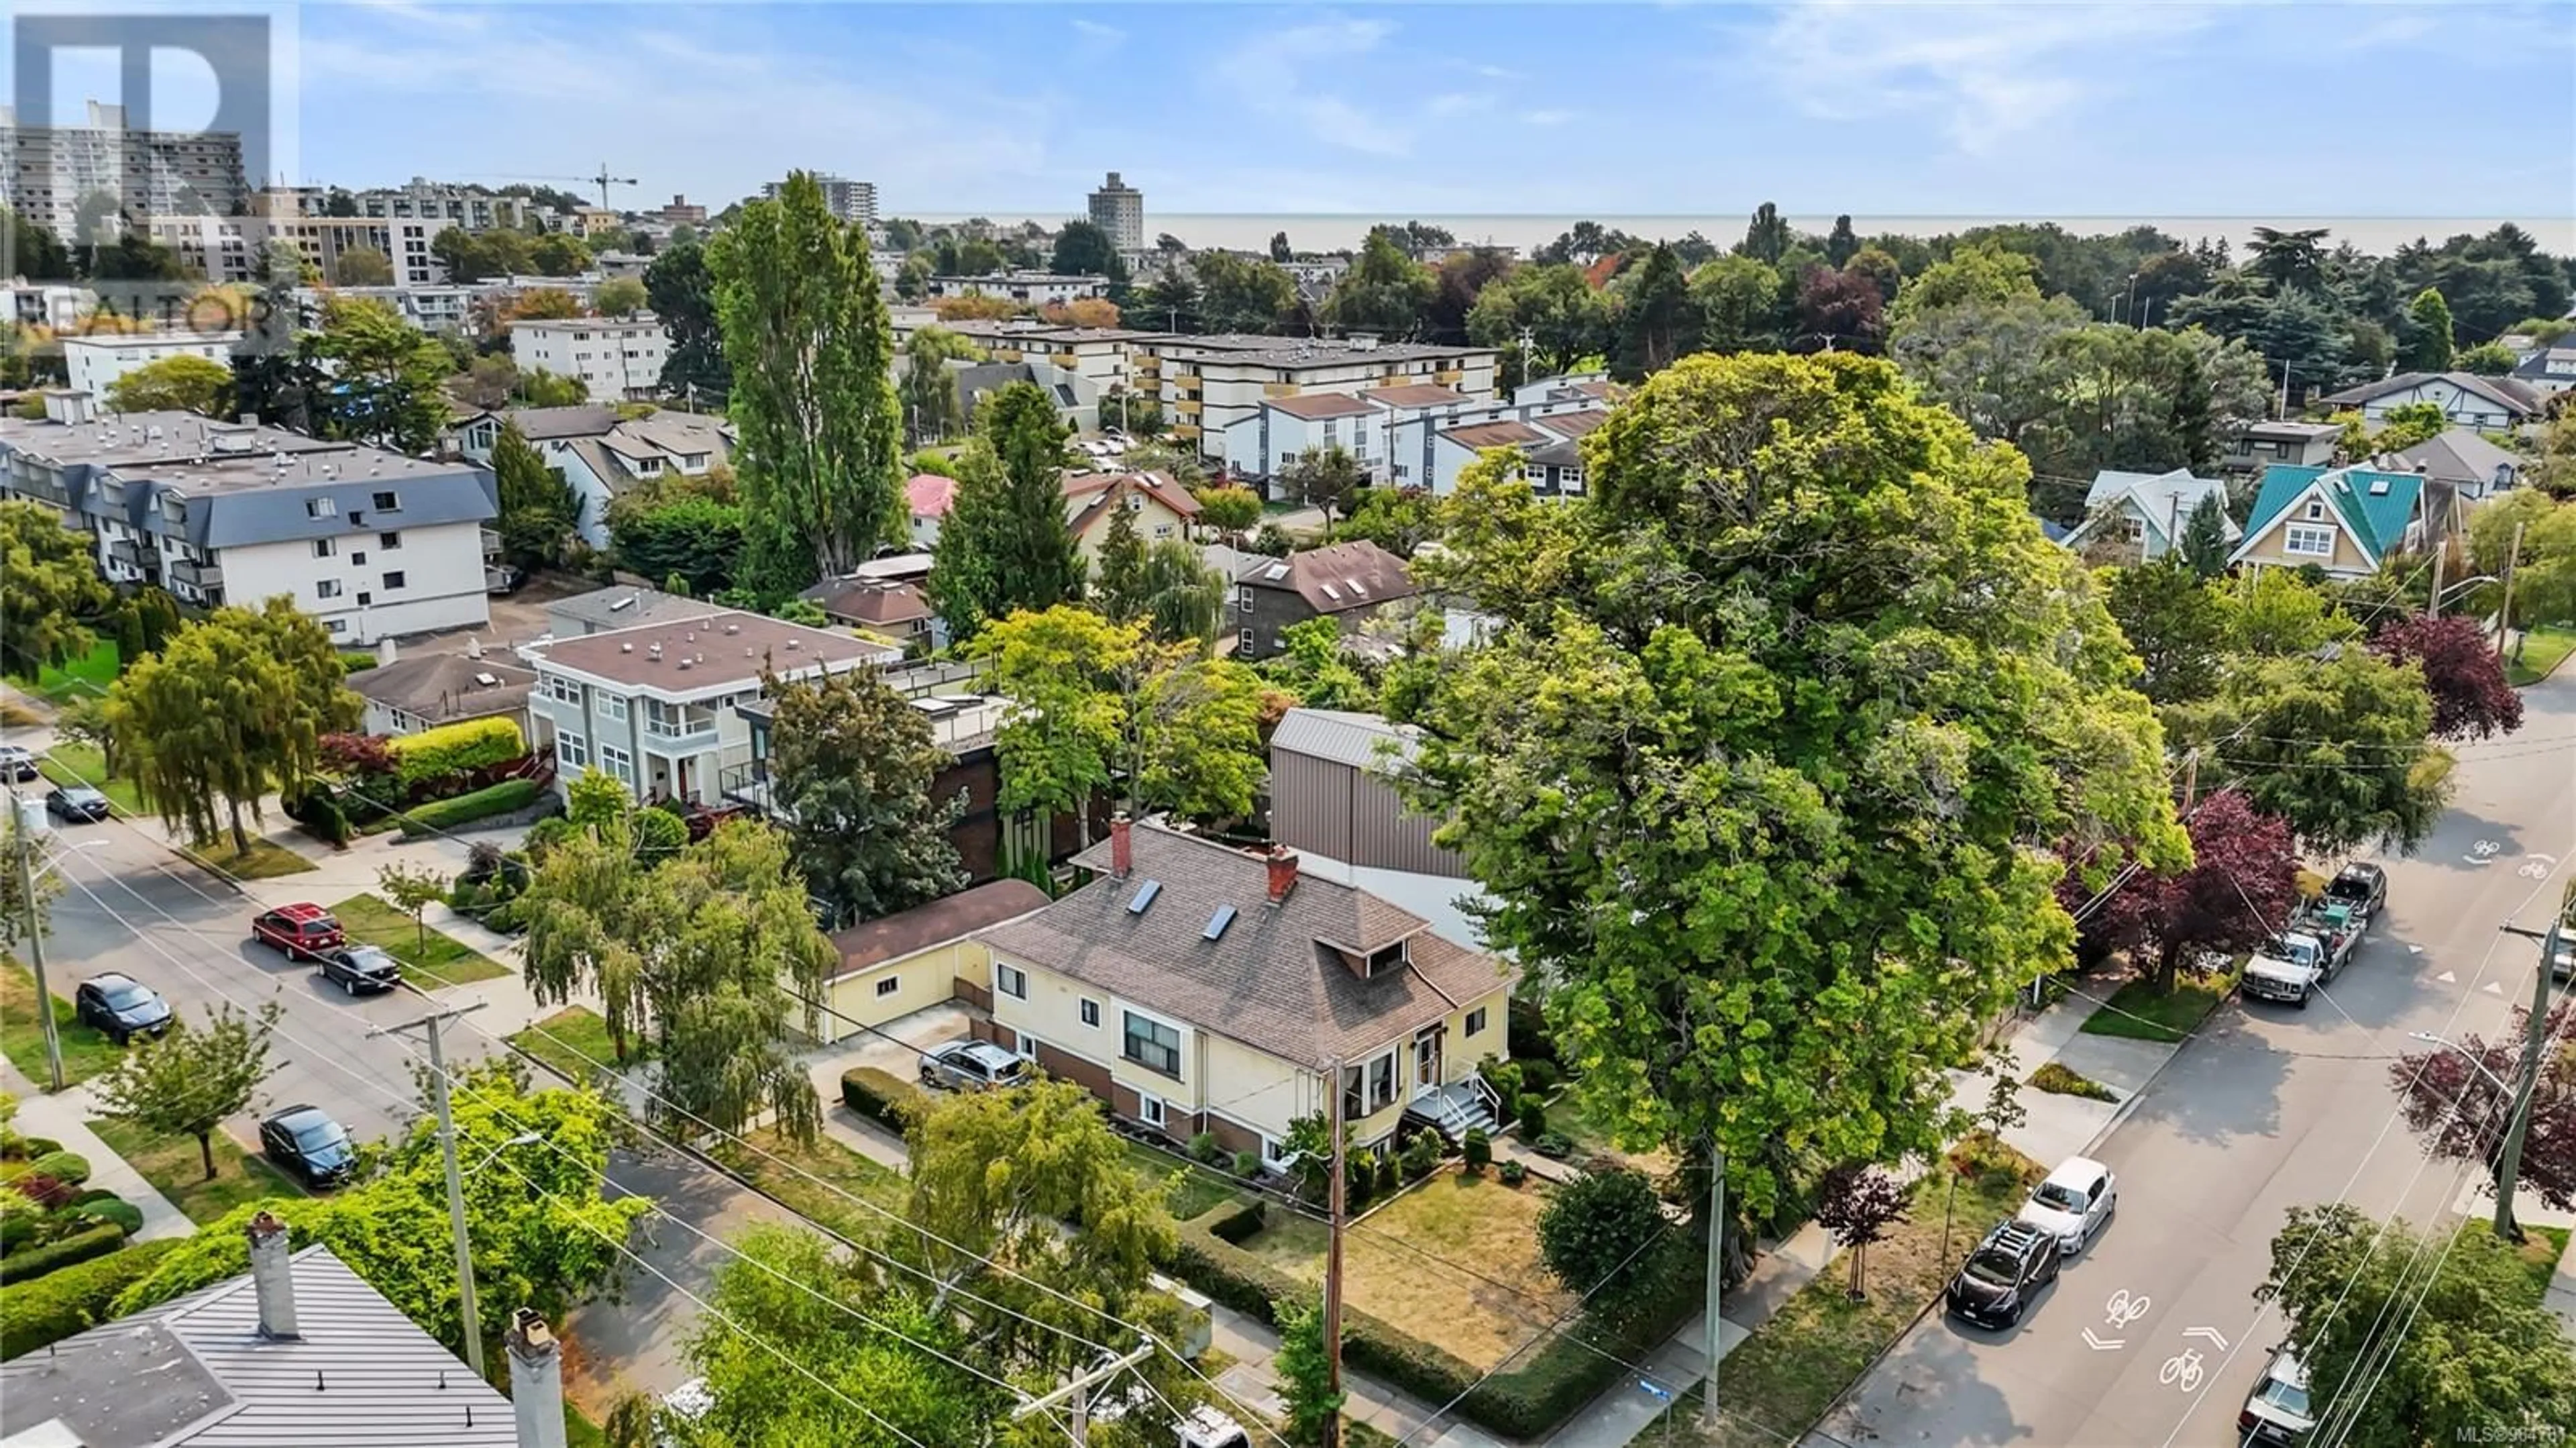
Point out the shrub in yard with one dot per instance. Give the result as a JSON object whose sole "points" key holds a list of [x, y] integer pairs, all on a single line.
{"points": [[464, 809], [68, 1167], [1247, 1164], [1422, 1155], [1360, 1180], [1554, 1145], [1389, 1175], [53, 1256], [659, 834], [1479, 1149], [33, 1147], [78, 1297], [1533, 1114], [1204, 1149], [45, 1191], [1539, 1075], [2065, 1082], [1505, 1078], [545, 834], [113, 1209], [1979, 1155], [880, 1096], [1594, 1228], [454, 749]]}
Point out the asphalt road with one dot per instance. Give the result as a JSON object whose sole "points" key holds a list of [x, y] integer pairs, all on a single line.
{"points": [[2269, 1108]]}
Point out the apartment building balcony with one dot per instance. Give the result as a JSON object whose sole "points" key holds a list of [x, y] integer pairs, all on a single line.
{"points": [[206, 577]]}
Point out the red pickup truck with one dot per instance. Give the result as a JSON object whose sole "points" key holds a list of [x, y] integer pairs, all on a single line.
{"points": [[304, 932]]}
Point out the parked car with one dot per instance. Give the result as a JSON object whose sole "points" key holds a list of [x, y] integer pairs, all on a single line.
{"points": [[972, 1066], [121, 1006], [2073, 1202], [306, 1141], [1994, 1287], [76, 802], [356, 968], [2277, 1411], [2287, 968], [2364, 886], [17, 763], [504, 580], [2336, 925], [303, 931]]}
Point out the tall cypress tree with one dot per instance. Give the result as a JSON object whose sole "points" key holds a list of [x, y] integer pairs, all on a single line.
{"points": [[1005, 545], [1657, 323], [812, 352]]}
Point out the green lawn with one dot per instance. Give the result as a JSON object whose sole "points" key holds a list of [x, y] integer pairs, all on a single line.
{"points": [[1192, 1191], [575, 1043], [2542, 649], [2540, 1250], [264, 860], [1780, 1380], [89, 674], [442, 960], [86, 1052], [2137, 1012], [786, 1171], [70, 762], [174, 1168]]}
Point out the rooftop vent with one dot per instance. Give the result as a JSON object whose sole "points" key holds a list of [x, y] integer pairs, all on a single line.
{"points": [[488, 680], [1217, 923], [731, 629], [686, 661], [625, 647], [622, 604], [1357, 587], [1145, 897], [794, 643], [2379, 487]]}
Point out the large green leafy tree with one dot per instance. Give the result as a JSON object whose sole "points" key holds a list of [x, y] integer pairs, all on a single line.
{"points": [[683, 296], [190, 1080], [820, 453], [929, 388], [32, 251], [2428, 342], [1118, 572], [1005, 546], [2177, 624], [1742, 304], [1062, 739], [183, 384], [1197, 726], [1182, 598], [1565, 318], [2340, 748], [383, 377], [49, 585], [539, 510], [233, 707], [1237, 294], [2412, 1337], [852, 769], [1753, 766], [1657, 321], [1084, 250], [541, 1233], [1386, 291], [691, 536]]}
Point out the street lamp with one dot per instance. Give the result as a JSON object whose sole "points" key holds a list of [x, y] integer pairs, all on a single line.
{"points": [[522, 1139], [2466, 1055]]}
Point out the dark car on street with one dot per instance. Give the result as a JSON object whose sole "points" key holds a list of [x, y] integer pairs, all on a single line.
{"points": [[2362, 886], [76, 802], [306, 1141], [358, 968], [303, 931], [2001, 1276], [121, 1006]]}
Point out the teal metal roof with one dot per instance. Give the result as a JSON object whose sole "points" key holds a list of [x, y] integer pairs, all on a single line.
{"points": [[2374, 506]]}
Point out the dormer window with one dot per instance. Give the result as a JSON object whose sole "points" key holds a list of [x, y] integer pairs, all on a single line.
{"points": [[1386, 958], [2316, 509]]}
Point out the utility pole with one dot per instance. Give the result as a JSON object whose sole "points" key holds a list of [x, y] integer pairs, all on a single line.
{"points": [[2190, 778], [2504, 615], [455, 1183], [1716, 1277], [2173, 523], [1333, 1257], [26, 816], [2534, 1035], [2441, 552], [1078, 1392]]}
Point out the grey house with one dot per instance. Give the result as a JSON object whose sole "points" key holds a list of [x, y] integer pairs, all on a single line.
{"points": [[1348, 582]]}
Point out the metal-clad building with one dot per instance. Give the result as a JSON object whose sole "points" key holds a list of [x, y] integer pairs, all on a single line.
{"points": [[1329, 794]]}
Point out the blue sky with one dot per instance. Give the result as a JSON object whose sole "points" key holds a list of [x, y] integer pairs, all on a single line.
{"points": [[2443, 108]]}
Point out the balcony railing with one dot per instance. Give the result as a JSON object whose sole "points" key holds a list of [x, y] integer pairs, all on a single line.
{"points": [[197, 575]]}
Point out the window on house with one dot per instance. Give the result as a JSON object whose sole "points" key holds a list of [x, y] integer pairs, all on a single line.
{"points": [[573, 750], [326, 588], [1386, 958], [393, 580], [387, 503], [1091, 1014], [1243, 642], [2308, 542], [1382, 1082], [365, 598], [389, 541], [1476, 1021], [358, 558], [320, 508], [1149, 1109], [324, 547], [1273, 1150], [889, 985], [1153, 1045], [2316, 509], [1011, 981], [618, 762], [612, 707], [336, 625]]}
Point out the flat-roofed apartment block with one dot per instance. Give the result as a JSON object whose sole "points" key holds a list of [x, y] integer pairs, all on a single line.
{"points": [[1209, 383], [371, 543]]}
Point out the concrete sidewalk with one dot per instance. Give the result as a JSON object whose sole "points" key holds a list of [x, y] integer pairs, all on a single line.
{"points": [[65, 1118]]}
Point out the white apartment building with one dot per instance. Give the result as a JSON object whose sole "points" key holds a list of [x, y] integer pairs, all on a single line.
{"points": [[1209, 384], [370, 543], [431, 308], [45, 171], [657, 706], [851, 201], [444, 205], [92, 364], [1035, 289], [1099, 355], [618, 360], [229, 248], [1119, 209], [600, 454]]}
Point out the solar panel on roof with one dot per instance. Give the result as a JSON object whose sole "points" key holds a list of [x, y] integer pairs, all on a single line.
{"points": [[1217, 923], [1145, 894]]}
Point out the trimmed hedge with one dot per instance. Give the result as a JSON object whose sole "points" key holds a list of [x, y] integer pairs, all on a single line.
{"points": [[68, 1167], [1529, 1399], [459, 748], [62, 1252], [112, 1209], [465, 809], [79, 1297], [880, 1096]]}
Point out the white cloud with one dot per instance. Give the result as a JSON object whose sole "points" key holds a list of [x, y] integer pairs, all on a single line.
{"points": [[1098, 37], [1546, 117], [1982, 71], [1270, 72], [1459, 103]]}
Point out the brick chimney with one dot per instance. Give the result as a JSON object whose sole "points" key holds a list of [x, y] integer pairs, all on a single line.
{"points": [[1122, 846], [1283, 872], [272, 1279], [536, 1380]]}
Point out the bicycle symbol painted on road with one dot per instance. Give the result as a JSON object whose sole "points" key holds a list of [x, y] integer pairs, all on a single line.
{"points": [[2124, 1309], [2537, 867], [2181, 1370]]}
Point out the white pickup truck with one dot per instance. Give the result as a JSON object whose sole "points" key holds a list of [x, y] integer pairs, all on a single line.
{"points": [[2289, 968]]}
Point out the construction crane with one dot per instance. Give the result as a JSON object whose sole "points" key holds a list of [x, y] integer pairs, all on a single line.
{"points": [[603, 181]]}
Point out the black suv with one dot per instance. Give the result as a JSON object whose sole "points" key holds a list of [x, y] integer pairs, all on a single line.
{"points": [[2007, 1269], [2362, 886]]}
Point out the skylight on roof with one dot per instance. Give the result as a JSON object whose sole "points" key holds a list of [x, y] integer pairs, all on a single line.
{"points": [[1275, 572], [1357, 587], [2379, 487], [1331, 592], [1145, 895], [1217, 923]]}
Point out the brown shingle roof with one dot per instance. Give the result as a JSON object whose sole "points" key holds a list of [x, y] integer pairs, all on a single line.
{"points": [[1572, 424], [872, 601], [1507, 433], [734, 645], [442, 687], [1169, 493], [1316, 406], [1415, 394], [909, 932], [1270, 980], [1339, 577]]}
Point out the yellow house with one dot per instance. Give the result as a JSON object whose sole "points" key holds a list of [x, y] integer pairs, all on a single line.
{"points": [[916, 959], [1162, 508], [1196, 987]]}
